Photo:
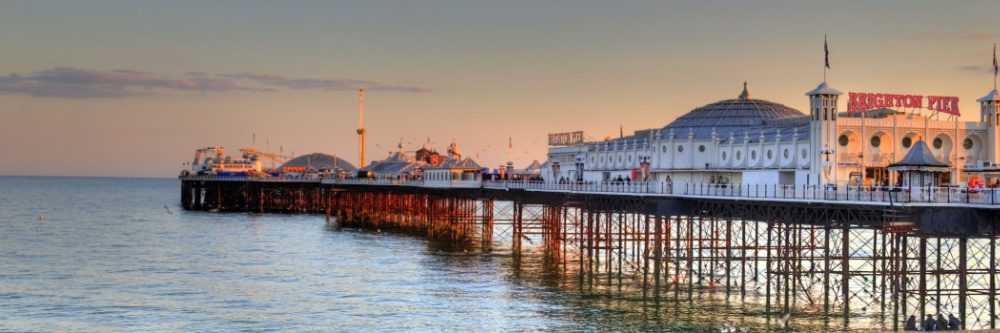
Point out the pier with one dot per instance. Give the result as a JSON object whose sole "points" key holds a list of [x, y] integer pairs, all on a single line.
{"points": [[867, 256]]}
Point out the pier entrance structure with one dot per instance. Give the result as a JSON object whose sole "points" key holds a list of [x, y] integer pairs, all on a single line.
{"points": [[866, 256]]}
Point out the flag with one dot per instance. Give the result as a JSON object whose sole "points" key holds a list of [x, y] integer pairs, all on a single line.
{"points": [[826, 53], [995, 68]]}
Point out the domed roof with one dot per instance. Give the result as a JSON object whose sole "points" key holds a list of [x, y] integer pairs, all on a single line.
{"points": [[320, 161], [737, 112]]}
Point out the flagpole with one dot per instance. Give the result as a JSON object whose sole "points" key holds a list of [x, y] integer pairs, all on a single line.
{"points": [[826, 58]]}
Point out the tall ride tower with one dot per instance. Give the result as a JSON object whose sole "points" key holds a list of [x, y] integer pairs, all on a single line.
{"points": [[361, 127]]}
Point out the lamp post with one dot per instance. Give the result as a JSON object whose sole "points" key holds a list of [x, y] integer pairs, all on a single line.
{"points": [[555, 171], [861, 168], [826, 151], [579, 168]]}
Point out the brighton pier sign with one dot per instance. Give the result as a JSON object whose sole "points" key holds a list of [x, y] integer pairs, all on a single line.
{"points": [[566, 139], [870, 101]]}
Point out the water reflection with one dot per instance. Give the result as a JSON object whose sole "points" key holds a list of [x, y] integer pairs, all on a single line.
{"points": [[109, 258]]}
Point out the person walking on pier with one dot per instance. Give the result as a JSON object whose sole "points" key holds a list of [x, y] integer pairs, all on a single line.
{"points": [[942, 324], [911, 324], [953, 323], [930, 324]]}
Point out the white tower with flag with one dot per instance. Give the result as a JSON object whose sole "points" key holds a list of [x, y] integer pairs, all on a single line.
{"points": [[990, 116], [823, 157]]}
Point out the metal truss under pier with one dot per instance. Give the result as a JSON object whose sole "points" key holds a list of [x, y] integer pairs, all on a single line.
{"points": [[867, 265]]}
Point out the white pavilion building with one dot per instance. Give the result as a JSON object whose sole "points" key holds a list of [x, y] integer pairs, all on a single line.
{"points": [[746, 140]]}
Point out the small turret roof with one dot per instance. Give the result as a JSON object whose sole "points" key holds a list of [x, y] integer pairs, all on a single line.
{"points": [[823, 89], [992, 96]]}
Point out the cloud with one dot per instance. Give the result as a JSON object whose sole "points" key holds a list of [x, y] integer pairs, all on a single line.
{"points": [[323, 84], [970, 37], [977, 69], [84, 83]]}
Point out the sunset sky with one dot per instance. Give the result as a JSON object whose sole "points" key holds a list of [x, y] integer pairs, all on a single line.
{"points": [[131, 88]]}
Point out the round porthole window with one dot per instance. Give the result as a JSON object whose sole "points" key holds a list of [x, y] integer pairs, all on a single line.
{"points": [[907, 142], [770, 155], [753, 155], [967, 144], [786, 153], [680, 149], [876, 141], [805, 153], [701, 148], [938, 143], [723, 156], [843, 140]]}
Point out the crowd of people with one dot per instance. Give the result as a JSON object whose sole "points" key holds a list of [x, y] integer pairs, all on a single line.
{"points": [[931, 324]]}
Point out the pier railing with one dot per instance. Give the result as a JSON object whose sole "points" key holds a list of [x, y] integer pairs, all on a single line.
{"points": [[277, 179], [875, 194], [601, 187], [862, 194], [375, 181]]}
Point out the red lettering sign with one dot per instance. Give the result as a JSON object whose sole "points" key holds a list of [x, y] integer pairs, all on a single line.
{"points": [[870, 101]]}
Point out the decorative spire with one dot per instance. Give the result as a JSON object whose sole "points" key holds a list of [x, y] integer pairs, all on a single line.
{"points": [[746, 93]]}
